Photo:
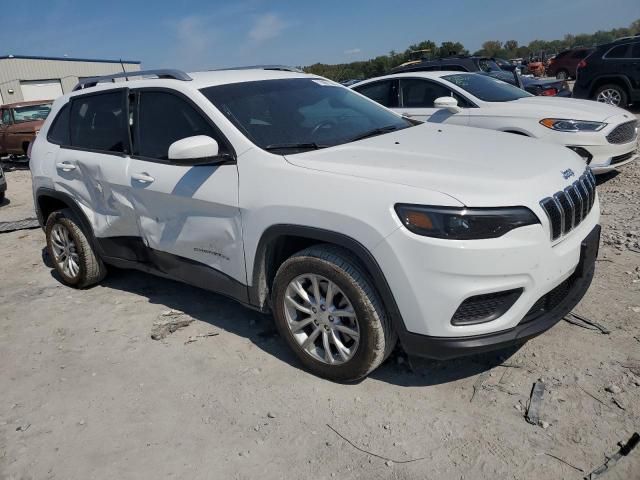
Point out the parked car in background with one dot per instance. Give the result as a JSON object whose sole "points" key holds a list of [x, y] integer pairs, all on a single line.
{"points": [[563, 66], [19, 124], [604, 136], [611, 74], [354, 226], [489, 66], [3, 185]]}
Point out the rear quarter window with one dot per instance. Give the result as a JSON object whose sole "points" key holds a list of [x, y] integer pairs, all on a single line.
{"points": [[59, 131]]}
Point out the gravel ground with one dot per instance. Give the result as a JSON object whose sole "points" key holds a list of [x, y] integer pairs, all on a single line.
{"points": [[87, 393]]}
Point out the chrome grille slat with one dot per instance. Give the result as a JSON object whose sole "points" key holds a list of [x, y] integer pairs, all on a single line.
{"points": [[567, 208]]}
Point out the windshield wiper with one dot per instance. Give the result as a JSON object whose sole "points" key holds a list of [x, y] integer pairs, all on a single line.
{"points": [[376, 131], [294, 146]]}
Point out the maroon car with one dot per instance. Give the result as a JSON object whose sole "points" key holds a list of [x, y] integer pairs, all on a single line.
{"points": [[19, 125], [563, 66]]}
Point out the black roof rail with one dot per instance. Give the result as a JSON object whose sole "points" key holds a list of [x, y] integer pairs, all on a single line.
{"points": [[162, 73], [282, 68]]}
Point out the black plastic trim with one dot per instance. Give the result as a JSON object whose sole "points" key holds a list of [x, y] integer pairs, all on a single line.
{"points": [[258, 291], [443, 348], [132, 253]]}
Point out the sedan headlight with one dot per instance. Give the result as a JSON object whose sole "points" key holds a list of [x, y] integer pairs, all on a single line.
{"points": [[463, 223], [565, 125]]}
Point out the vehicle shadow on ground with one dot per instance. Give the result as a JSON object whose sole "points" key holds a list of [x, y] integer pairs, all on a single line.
{"points": [[4, 202], [226, 314]]}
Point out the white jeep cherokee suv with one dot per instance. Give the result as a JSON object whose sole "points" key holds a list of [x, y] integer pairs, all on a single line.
{"points": [[294, 195]]}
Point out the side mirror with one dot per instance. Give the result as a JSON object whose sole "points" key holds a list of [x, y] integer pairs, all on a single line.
{"points": [[448, 103], [194, 150]]}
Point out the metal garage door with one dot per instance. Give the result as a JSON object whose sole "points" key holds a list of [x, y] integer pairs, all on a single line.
{"points": [[40, 89]]}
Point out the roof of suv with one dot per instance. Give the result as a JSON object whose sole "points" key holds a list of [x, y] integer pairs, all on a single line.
{"points": [[196, 80]]}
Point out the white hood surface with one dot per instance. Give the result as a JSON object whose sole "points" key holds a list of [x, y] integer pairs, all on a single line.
{"points": [[480, 168], [553, 107]]}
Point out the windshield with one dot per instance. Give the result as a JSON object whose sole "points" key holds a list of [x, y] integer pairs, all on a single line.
{"points": [[31, 113], [294, 115], [487, 65], [487, 88]]}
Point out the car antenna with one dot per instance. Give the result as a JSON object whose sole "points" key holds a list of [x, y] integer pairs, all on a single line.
{"points": [[123, 70]]}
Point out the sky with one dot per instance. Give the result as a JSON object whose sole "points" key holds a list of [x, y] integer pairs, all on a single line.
{"points": [[206, 34]]}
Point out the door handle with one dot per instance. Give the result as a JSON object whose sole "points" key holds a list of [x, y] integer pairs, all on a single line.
{"points": [[65, 166], [143, 177]]}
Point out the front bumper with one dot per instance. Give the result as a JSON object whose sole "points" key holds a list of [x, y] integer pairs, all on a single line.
{"points": [[533, 324], [431, 278]]}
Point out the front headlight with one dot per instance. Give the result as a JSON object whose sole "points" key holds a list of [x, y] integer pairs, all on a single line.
{"points": [[565, 125], [463, 223]]}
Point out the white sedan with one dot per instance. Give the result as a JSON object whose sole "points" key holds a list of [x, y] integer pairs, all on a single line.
{"points": [[606, 137]]}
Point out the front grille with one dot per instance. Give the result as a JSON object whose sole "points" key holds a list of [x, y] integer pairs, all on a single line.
{"points": [[622, 158], [486, 307], [566, 209], [549, 301], [623, 133]]}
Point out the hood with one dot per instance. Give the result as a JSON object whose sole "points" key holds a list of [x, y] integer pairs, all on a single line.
{"points": [[480, 168], [556, 107]]}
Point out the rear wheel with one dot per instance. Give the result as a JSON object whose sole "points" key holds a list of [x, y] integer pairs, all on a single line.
{"points": [[562, 75], [329, 314], [73, 256], [611, 94]]}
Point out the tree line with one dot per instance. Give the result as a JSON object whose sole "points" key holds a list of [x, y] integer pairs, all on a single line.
{"points": [[492, 48]]}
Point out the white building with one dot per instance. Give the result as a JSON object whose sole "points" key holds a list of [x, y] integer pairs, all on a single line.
{"points": [[45, 78]]}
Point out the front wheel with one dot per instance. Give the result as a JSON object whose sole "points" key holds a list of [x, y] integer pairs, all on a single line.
{"points": [[612, 94], [329, 314], [73, 256]]}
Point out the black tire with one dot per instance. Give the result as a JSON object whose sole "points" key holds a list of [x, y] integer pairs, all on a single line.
{"points": [[562, 75], [624, 98], [377, 336], [91, 269]]}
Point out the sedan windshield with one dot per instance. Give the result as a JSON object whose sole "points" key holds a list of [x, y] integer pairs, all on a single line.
{"points": [[295, 115], [487, 88], [31, 112]]}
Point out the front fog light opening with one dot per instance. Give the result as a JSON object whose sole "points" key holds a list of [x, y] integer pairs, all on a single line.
{"points": [[485, 308]]}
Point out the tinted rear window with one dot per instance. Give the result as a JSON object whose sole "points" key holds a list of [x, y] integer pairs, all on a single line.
{"points": [[618, 52], [59, 131], [98, 122]]}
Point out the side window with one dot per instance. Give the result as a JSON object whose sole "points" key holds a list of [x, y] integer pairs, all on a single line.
{"points": [[162, 119], [59, 131], [6, 117], [98, 122], [455, 68], [417, 93], [381, 92], [617, 52], [635, 50]]}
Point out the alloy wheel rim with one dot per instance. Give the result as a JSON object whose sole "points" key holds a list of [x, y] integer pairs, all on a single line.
{"points": [[321, 318], [65, 251], [610, 96]]}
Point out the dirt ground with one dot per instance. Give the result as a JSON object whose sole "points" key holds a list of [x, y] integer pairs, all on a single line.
{"points": [[85, 393]]}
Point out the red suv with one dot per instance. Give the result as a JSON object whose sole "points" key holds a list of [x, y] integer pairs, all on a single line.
{"points": [[564, 65]]}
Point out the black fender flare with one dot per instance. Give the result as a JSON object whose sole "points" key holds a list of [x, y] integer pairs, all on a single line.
{"points": [[606, 78], [78, 213], [258, 289]]}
